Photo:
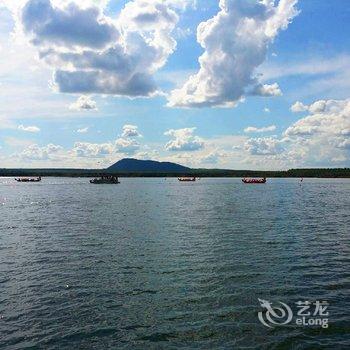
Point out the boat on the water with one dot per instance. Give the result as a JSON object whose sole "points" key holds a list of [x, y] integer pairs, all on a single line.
{"points": [[105, 180], [25, 179], [187, 179], [254, 181]]}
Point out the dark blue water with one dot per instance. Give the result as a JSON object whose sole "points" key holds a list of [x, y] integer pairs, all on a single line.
{"points": [[158, 264]]}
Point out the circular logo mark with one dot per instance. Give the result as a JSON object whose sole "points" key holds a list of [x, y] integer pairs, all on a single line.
{"points": [[274, 316]]}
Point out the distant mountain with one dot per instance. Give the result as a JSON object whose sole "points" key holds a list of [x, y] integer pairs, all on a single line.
{"points": [[135, 165]]}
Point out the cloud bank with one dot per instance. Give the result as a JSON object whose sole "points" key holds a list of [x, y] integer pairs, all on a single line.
{"points": [[320, 139], [91, 52]]}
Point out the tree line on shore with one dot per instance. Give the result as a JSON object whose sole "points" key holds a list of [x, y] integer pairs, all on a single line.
{"points": [[311, 173]]}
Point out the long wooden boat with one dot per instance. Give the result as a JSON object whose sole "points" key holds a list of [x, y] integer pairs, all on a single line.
{"points": [[38, 179], [254, 181]]}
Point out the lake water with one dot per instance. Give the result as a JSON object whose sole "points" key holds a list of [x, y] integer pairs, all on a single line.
{"points": [[159, 264]]}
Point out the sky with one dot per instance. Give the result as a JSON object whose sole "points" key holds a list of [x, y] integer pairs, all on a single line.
{"points": [[234, 84]]}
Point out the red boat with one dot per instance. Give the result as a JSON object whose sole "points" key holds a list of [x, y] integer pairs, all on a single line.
{"points": [[254, 181]]}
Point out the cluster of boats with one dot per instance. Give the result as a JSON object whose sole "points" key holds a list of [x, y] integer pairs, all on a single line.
{"points": [[105, 180], [245, 180], [111, 179]]}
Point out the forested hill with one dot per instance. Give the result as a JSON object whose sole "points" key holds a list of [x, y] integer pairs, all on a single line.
{"points": [[136, 165]]}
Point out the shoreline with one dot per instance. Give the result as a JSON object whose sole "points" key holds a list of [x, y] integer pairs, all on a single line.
{"points": [[201, 173]]}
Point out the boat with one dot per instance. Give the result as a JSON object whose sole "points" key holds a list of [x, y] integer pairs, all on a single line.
{"points": [[105, 180], [187, 179], [38, 179], [254, 181]]}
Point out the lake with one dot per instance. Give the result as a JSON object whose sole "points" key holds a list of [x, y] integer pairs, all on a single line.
{"points": [[159, 264]]}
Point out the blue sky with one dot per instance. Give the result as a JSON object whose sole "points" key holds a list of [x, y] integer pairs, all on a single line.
{"points": [[271, 90]]}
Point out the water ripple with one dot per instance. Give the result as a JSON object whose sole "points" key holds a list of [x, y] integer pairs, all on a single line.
{"points": [[151, 264]]}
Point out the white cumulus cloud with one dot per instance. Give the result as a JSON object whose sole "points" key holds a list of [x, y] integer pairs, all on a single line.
{"points": [[235, 43], [33, 129], [298, 107], [130, 131], [263, 129], [83, 103], [92, 53], [317, 140], [126, 146], [183, 140], [213, 157], [35, 152], [92, 150], [328, 118], [264, 146], [267, 90], [83, 130], [68, 27]]}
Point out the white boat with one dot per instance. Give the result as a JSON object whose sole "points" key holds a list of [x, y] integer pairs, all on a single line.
{"points": [[187, 179]]}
